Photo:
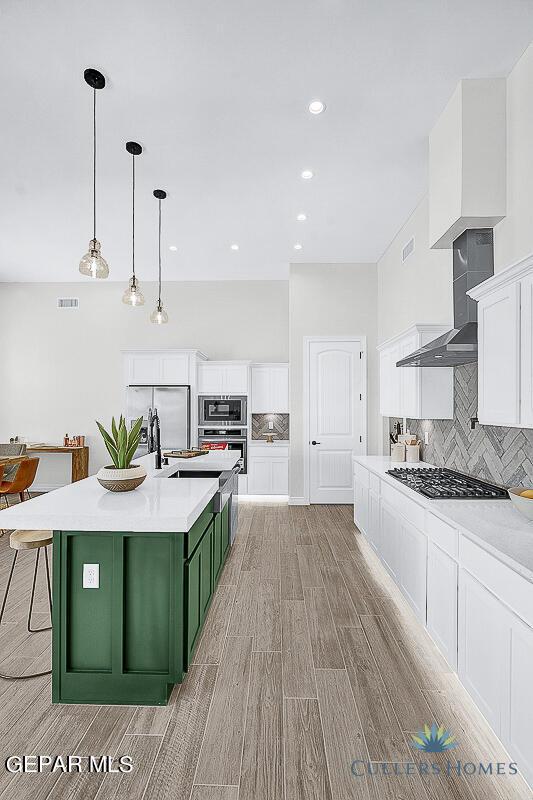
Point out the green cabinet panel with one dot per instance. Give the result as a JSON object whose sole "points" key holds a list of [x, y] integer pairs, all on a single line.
{"points": [[217, 549], [206, 588], [122, 642], [146, 580], [225, 530], [197, 531], [198, 589], [89, 620]]}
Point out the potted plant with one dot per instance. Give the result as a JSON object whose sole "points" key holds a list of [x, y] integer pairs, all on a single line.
{"points": [[122, 475]]}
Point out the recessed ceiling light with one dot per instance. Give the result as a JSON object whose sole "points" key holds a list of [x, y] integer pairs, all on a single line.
{"points": [[301, 217], [173, 248], [297, 246], [307, 174], [234, 246], [317, 107]]}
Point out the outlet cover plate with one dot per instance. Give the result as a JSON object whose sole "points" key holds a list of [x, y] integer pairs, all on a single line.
{"points": [[91, 576]]}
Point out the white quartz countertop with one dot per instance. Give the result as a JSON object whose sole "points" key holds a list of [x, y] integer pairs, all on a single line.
{"points": [[161, 504], [495, 525]]}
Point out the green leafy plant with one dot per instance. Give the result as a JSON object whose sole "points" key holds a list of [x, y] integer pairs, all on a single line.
{"points": [[121, 444]]}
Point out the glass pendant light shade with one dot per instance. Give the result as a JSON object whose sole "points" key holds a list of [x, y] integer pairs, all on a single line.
{"points": [[133, 295], [92, 264], [159, 316]]}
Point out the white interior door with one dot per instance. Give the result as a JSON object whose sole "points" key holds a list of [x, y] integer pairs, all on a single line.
{"points": [[335, 418]]}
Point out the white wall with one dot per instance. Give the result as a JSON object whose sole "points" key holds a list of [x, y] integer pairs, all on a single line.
{"points": [[420, 289], [329, 300], [61, 370], [513, 236]]}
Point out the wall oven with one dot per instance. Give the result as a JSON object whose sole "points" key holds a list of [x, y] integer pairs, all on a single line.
{"points": [[233, 438], [222, 410]]}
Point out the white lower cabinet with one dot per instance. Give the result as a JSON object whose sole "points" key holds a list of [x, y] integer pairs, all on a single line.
{"points": [[360, 507], [412, 545], [483, 647], [517, 711], [373, 519], [389, 530], [442, 602], [268, 474]]}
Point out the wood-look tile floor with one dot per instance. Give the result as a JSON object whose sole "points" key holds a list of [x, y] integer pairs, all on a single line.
{"points": [[310, 659]]}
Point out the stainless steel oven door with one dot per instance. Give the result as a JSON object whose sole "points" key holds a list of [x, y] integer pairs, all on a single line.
{"points": [[233, 443], [222, 410]]}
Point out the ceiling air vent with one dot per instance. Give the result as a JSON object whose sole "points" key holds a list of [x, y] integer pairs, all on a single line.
{"points": [[408, 249], [68, 302]]}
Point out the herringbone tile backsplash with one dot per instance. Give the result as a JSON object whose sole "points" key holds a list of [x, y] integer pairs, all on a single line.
{"points": [[500, 455]]}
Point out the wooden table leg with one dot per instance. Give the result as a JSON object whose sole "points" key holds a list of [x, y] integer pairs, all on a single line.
{"points": [[80, 464]]}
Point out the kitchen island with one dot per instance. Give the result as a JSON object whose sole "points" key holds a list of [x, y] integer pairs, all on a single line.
{"points": [[133, 578]]}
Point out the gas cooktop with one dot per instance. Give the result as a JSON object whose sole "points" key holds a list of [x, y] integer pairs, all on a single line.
{"points": [[442, 484]]}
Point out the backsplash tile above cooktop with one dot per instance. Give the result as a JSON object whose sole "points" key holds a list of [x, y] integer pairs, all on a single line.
{"points": [[260, 426], [501, 455]]}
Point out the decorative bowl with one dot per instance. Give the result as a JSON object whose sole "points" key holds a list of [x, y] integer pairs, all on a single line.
{"points": [[121, 480], [522, 504]]}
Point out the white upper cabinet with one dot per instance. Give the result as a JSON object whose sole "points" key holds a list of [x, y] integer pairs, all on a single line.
{"points": [[149, 367], [467, 161], [270, 389], [505, 339], [223, 377], [414, 392]]}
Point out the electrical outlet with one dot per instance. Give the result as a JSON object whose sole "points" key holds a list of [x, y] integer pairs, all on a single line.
{"points": [[91, 576], [426, 437]]}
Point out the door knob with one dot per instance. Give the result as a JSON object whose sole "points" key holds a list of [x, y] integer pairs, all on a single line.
{"points": [[313, 442]]}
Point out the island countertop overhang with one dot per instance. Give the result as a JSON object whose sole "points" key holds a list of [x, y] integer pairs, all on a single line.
{"points": [[157, 506]]}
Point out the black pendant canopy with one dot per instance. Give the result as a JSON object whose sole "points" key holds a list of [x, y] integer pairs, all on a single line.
{"points": [[94, 78]]}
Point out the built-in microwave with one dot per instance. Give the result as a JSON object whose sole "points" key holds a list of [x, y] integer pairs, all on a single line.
{"points": [[222, 410]]}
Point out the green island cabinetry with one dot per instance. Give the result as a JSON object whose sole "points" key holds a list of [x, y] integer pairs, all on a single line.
{"points": [[132, 638]]}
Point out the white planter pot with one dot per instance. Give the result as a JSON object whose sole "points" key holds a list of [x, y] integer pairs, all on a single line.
{"points": [[121, 480]]}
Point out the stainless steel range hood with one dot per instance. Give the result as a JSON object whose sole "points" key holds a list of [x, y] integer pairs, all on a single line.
{"points": [[473, 262]]}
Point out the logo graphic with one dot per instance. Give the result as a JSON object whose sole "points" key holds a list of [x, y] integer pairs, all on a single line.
{"points": [[433, 740]]}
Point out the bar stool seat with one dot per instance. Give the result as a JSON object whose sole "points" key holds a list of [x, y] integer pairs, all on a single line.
{"points": [[29, 540]]}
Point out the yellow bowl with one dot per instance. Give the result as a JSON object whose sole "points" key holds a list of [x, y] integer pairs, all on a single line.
{"points": [[522, 504]]}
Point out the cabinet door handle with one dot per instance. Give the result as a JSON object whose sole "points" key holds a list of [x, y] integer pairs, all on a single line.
{"points": [[313, 442]]}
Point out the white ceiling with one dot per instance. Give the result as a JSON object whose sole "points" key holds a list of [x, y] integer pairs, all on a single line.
{"points": [[217, 92]]}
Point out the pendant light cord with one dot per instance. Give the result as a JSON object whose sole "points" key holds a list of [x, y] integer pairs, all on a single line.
{"points": [[133, 215], [159, 301], [94, 163]]}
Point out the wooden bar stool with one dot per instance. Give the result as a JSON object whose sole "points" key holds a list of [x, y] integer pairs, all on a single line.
{"points": [[29, 540]]}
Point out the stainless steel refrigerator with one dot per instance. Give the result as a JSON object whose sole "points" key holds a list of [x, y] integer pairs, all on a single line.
{"points": [[173, 406]]}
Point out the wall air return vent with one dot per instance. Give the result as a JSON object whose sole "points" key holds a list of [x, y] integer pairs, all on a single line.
{"points": [[68, 302], [408, 249]]}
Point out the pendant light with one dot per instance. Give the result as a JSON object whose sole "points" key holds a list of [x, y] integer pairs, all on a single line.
{"points": [[159, 315], [133, 295], [92, 264]]}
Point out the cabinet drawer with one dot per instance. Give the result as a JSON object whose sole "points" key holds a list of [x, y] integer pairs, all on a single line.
{"points": [[442, 534], [361, 474], [404, 505], [510, 587], [374, 483]]}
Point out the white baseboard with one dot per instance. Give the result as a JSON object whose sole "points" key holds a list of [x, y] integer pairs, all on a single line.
{"points": [[298, 501]]}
